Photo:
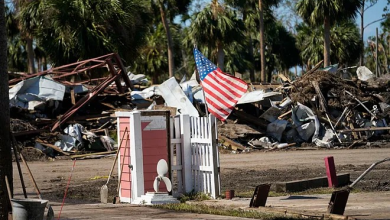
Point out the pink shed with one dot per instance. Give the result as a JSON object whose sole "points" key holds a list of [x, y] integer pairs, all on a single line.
{"points": [[145, 143]]}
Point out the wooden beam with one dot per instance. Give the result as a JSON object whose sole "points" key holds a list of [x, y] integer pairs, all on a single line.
{"points": [[229, 143], [52, 147], [364, 129]]}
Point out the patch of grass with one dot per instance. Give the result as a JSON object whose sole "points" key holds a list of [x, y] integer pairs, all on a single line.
{"points": [[193, 196], [205, 209]]}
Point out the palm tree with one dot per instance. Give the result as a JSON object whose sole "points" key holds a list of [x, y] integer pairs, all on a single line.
{"points": [[282, 47], [214, 28], [263, 5], [5, 148], [80, 29], [16, 53], [152, 60], [250, 18], [168, 10], [345, 43], [327, 13]]}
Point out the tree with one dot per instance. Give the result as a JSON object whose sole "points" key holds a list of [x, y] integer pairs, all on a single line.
{"points": [[5, 148], [250, 17], [80, 29], [363, 9], [327, 13], [168, 10], [153, 60], [16, 53], [345, 43], [283, 48], [215, 28], [264, 4]]}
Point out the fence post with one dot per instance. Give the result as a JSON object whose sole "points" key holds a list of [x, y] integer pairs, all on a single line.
{"points": [[185, 132], [214, 158], [331, 172]]}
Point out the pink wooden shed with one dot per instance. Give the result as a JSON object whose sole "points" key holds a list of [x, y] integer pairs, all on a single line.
{"points": [[146, 141]]}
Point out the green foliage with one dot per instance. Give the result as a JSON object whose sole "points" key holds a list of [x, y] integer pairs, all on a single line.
{"points": [[193, 196], [213, 26], [345, 43], [153, 59], [315, 11], [81, 29]]}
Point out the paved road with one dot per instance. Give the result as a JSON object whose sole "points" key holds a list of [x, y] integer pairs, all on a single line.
{"points": [[125, 211]]}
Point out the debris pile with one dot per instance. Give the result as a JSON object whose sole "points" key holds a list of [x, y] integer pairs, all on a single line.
{"points": [[70, 109], [320, 108]]}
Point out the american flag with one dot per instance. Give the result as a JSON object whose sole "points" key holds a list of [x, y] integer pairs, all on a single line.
{"points": [[222, 91]]}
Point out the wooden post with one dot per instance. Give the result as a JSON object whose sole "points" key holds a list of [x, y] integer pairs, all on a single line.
{"points": [[215, 178], [331, 172]]}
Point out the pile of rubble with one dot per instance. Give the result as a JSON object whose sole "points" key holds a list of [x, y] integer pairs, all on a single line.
{"points": [[319, 108], [70, 109]]}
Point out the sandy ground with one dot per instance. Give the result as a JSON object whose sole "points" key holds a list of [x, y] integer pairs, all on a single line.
{"points": [[241, 172]]}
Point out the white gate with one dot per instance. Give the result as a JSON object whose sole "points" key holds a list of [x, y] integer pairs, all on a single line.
{"points": [[194, 155]]}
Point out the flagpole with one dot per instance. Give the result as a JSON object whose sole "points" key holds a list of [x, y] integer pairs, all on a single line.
{"points": [[204, 94]]}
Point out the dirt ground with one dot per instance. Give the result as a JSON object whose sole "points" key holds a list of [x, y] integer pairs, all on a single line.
{"points": [[241, 172]]}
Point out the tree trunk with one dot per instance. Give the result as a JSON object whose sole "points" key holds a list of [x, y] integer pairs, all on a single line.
{"points": [[252, 60], [221, 57], [171, 63], [5, 148], [44, 63], [385, 64], [296, 72], [326, 42], [269, 76], [30, 55], [262, 52], [39, 64], [250, 51], [361, 61]]}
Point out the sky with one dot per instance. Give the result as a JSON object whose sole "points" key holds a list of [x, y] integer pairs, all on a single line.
{"points": [[372, 14]]}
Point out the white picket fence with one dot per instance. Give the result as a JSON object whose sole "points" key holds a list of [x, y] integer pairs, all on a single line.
{"points": [[194, 155]]}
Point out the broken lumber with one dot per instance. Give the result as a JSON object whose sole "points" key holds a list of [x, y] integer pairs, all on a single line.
{"points": [[284, 114], [52, 147], [229, 143], [364, 129], [92, 154], [324, 106], [316, 67]]}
